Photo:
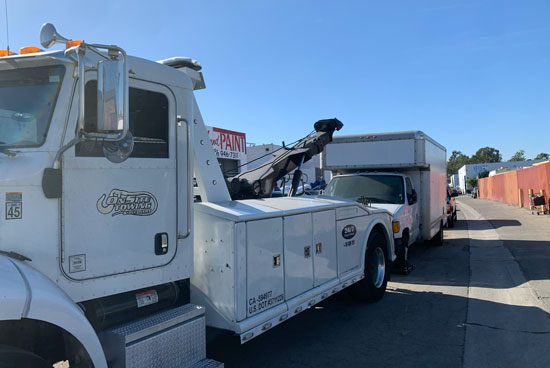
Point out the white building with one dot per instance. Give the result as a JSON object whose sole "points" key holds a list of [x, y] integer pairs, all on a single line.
{"points": [[473, 170], [454, 180]]}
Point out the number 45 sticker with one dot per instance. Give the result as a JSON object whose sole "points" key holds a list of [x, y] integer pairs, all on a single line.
{"points": [[14, 206]]}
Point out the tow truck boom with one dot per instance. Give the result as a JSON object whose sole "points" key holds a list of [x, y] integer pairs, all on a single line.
{"points": [[258, 182]]}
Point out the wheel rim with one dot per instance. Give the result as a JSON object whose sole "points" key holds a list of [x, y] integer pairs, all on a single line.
{"points": [[378, 267]]}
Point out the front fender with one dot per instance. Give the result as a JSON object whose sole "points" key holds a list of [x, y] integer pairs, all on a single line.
{"points": [[385, 223], [13, 293], [27, 293]]}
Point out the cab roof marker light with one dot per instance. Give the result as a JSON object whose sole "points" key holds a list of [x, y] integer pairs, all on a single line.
{"points": [[29, 50], [6, 53], [72, 43]]}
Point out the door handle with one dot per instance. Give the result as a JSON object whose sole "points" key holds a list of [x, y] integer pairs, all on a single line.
{"points": [[161, 244]]}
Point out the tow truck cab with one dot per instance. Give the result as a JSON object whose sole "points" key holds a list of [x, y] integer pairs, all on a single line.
{"points": [[89, 212]]}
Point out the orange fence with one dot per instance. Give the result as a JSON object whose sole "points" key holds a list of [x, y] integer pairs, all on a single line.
{"points": [[505, 187]]}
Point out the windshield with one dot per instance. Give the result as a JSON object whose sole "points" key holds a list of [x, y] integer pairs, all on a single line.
{"points": [[368, 188], [27, 100]]}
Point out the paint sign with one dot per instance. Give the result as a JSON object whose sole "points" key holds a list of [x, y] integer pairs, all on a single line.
{"points": [[227, 143]]}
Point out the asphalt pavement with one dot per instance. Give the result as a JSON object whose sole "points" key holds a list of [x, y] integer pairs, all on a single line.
{"points": [[480, 300]]}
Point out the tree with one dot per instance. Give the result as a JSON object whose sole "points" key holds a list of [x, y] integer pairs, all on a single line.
{"points": [[486, 155], [472, 182], [456, 161], [518, 156], [483, 174], [542, 155]]}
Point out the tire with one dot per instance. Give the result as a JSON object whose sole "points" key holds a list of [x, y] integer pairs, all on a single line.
{"points": [[451, 222], [377, 269], [13, 357], [437, 240]]}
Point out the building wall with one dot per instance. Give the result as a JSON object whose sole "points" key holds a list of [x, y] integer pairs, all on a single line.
{"points": [[473, 170], [454, 181], [505, 187]]}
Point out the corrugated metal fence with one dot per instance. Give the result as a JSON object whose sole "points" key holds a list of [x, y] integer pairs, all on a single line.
{"points": [[505, 187]]}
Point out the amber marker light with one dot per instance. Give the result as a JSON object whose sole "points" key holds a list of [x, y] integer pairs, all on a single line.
{"points": [[396, 226], [6, 53], [70, 44], [29, 50]]}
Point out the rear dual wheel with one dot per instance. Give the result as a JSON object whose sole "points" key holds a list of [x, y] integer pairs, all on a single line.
{"points": [[451, 221], [437, 240]]}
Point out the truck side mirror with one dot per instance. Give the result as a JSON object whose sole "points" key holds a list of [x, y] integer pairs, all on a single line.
{"points": [[111, 117], [112, 109]]}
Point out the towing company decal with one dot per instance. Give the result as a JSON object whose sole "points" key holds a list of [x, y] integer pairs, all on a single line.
{"points": [[349, 231], [121, 202]]}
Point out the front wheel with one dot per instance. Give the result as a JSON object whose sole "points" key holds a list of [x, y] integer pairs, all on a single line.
{"points": [[13, 357], [373, 286]]}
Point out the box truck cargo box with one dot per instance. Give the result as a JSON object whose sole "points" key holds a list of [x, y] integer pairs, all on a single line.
{"points": [[403, 172]]}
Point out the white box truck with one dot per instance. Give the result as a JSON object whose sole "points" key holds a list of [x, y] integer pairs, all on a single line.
{"points": [[105, 259], [402, 172]]}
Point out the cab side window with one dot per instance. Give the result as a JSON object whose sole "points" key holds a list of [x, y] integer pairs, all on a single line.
{"points": [[148, 117]]}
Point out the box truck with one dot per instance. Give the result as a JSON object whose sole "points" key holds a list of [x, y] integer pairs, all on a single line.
{"points": [[403, 172]]}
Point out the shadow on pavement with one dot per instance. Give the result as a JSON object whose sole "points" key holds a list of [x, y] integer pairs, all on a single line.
{"points": [[405, 329], [492, 224], [533, 258]]}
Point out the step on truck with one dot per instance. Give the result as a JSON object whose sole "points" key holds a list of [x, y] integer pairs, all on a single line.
{"points": [[107, 259], [402, 172]]}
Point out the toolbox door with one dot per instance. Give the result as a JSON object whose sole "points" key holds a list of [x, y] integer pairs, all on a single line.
{"points": [[350, 235], [298, 252], [264, 265], [325, 264]]}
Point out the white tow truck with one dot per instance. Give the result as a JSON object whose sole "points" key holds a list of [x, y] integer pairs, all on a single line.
{"points": [[105, 258], [402, 172]]}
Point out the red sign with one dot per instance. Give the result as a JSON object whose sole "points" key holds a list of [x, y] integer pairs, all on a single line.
{"points": [[227, 143]]}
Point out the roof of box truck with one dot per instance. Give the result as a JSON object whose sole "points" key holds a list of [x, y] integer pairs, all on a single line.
{"points": [[387, 136]]}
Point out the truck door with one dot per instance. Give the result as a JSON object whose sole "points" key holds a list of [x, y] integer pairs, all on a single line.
{"points": [[413, 210], [121, 217]]}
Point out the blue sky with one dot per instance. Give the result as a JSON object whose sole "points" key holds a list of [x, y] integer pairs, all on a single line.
{"points": [[468, 73]]}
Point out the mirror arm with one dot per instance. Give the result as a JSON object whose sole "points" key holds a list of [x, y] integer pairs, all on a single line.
{"points": [[93, 49], [81, 87], [72, 142]]}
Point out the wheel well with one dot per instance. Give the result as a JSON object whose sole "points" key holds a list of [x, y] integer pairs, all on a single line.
{"points": [[44, 339], [379, 228]]}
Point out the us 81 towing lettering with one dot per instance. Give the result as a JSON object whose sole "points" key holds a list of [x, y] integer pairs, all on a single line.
{"points": [[85, 281]]}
